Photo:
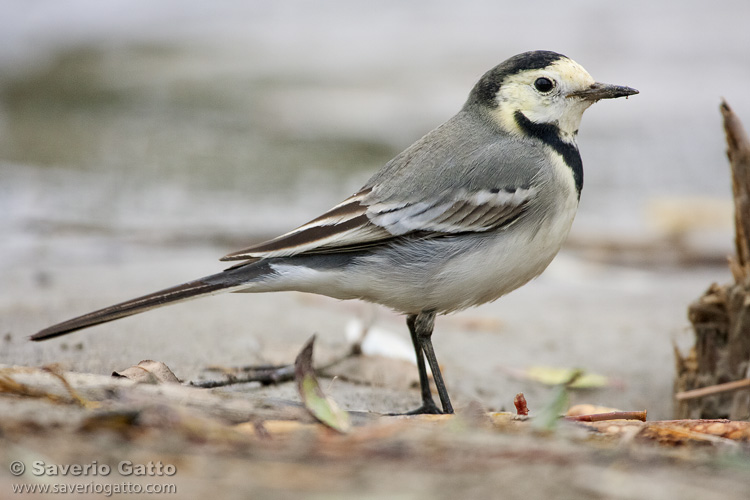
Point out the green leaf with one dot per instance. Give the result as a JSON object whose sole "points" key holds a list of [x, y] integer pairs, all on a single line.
{"points": [[320, 406], [549, 416], [555, 376]]}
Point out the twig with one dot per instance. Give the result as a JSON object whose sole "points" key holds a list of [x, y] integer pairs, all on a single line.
{"points": [[80, 400], [612, 415], [265, 374], [738, 151], [714, 389], [9, 384]]}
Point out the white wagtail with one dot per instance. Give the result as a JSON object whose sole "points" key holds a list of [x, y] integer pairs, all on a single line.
{"points": [[471, 211]]}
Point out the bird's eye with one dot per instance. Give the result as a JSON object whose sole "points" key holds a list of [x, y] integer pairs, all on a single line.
{"points": [[544, 85]]}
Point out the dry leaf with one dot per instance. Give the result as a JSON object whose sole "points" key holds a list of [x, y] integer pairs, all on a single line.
{"points": [[148, 372], [674, 432]]}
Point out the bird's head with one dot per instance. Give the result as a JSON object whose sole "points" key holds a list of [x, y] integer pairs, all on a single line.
{"points": [[540, 88]]}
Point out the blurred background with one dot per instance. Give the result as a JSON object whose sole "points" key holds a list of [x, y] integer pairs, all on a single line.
{"points": [[140, 141]]}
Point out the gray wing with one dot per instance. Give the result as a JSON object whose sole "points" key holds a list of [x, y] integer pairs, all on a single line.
{"points": [[461, 177]]}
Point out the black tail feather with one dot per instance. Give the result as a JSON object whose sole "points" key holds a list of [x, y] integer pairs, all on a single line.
{"points": [[192, 289]]}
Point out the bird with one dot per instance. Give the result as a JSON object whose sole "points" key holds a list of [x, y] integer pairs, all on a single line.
{"points": [[473, 210]]}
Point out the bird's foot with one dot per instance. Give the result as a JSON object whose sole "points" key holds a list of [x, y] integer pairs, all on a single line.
{"points": [[427, 408]]}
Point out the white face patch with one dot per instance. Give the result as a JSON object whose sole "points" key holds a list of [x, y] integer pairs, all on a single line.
{"points": [[519, 93]]}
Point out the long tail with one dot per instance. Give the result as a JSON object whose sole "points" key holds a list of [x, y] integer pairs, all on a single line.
{"points": [[233, 278]]}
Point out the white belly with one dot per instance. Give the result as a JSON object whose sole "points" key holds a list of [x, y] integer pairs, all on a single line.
{"points": [[500, 265]]}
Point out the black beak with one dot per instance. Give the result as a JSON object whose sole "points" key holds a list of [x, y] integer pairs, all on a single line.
{"points": [[602, 91]]}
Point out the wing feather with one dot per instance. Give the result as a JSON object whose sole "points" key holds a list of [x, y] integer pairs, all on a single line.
{"points": [[359, 222]]}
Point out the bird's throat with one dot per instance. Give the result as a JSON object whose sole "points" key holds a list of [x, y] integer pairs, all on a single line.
{"points": [[550, 134]]}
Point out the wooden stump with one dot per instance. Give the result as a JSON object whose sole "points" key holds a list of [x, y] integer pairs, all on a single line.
{"points": [[713, 379]]}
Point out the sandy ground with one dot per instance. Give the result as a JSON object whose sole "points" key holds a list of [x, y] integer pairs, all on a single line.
{"points": [[616, 321]]}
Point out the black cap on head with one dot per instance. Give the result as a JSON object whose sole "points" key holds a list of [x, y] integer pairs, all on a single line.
{"points": [[486, 88]]}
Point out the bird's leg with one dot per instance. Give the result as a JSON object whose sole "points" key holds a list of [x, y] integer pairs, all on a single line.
{"points": [[424, 323], [428, 404], [420, 327]]}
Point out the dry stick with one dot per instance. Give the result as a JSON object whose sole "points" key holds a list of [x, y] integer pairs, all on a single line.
{"points": [[719, 317], [612, 415], [266, 375], [9, 385], [738, 151], [737, 385]]}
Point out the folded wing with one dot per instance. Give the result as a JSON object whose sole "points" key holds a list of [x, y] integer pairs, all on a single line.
{"points": [[361, 220]]}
